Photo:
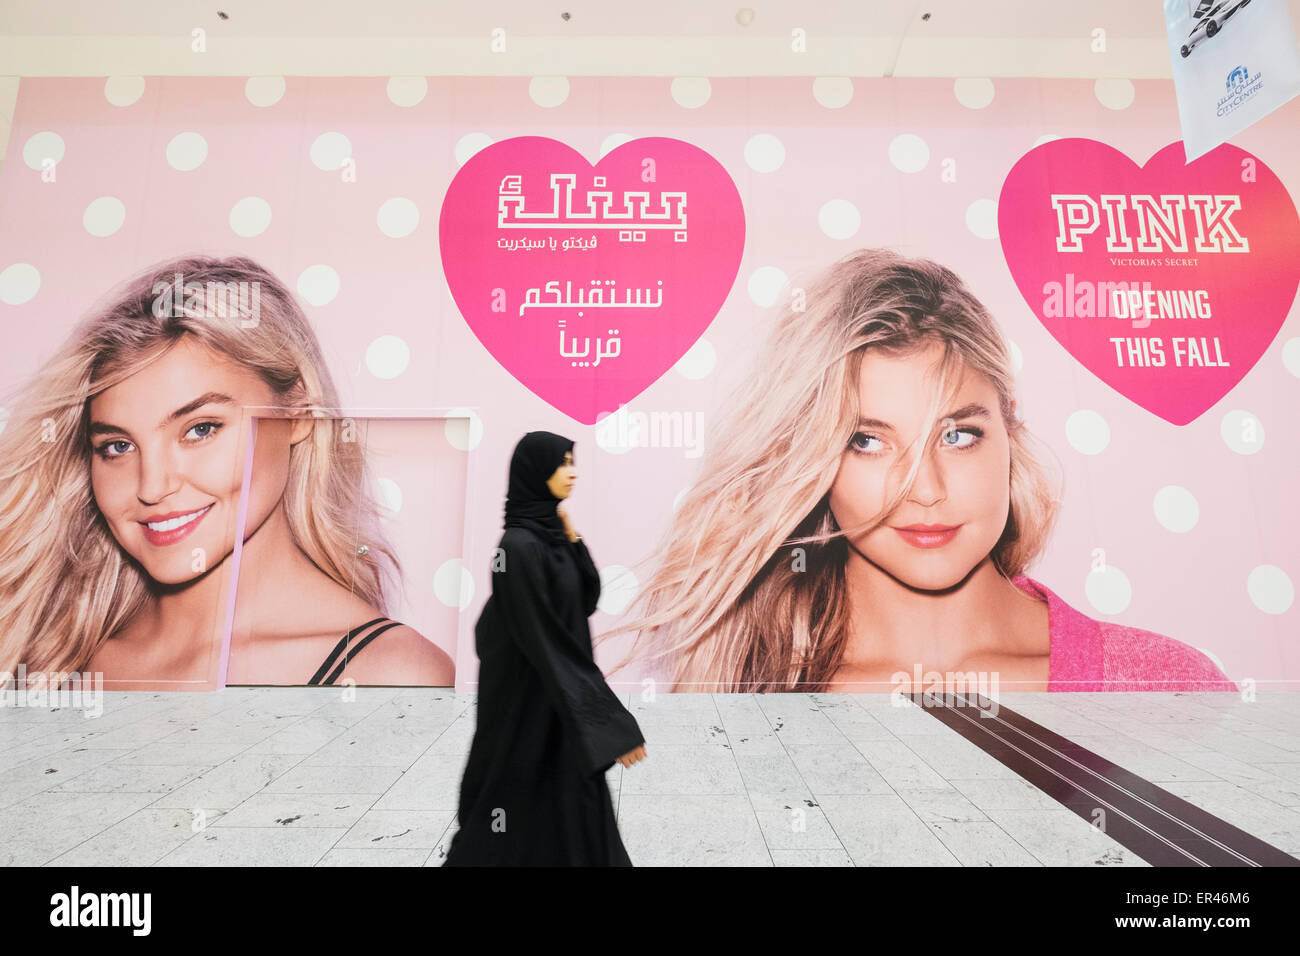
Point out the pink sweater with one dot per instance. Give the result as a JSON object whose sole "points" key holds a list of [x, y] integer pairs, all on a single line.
{"points": [[1091, 655]]}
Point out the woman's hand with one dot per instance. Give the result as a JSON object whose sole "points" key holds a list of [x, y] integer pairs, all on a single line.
{"points": [[568, 526], [632, 756]]}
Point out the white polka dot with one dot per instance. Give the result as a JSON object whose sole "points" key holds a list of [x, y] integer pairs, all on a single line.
{"points": [[982, 218], [764, 153], [330, 151], [463, 428], [679, 498], [469, 144], [617, 589], [187, 151], [613, 141], [387, 356], [1114, 93], [453, 584], [1176, 508], [698, 361], [104, 216], [839, 219], [1087, 432], [909, 153], [765, 284], [407, 90], [548, 91], [833, 92], [42, 146], [123, 90], [264, 90], [617, 432], [974, 94], [318, 284], [250, 216], [1046, 138], [1242, 432], [1270, 589], [1291, 356], [1108, 590], [388, 495], [19, 283], [398, 217], [691, 92]]}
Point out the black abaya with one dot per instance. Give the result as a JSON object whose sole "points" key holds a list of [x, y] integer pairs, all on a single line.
{"points": [[548, 726]]}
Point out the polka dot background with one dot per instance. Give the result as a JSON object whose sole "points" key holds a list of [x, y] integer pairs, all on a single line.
{"points": [[336, 186]]}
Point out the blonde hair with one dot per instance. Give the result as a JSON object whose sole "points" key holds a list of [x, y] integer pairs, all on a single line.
{"points": [[66, 585], [725, 606]]}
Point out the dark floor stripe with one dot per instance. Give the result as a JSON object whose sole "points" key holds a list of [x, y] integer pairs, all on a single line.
{"points": [[1161, 828], [1213, 828]]}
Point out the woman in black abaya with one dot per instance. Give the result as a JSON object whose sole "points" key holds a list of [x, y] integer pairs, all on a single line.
{"points": [[534, 790]]}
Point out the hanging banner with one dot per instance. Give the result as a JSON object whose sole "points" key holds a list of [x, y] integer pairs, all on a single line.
{"points": [[1235, 61]]}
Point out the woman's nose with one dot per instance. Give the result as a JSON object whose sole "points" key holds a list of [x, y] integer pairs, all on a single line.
{"points": [[157, 478], [929, 486]]}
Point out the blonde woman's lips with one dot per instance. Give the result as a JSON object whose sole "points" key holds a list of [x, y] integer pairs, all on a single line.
{"points": [[928, 536], [163, 530]]}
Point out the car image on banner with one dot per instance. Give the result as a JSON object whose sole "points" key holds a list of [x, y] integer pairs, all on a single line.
{"points": [[1209, 24]]}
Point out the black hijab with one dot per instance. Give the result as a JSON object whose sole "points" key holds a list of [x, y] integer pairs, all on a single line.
{"points": [[529, 502]]}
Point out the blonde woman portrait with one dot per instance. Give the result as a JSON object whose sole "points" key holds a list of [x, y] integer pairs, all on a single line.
{"points": [[121, 470], [867, 508]]}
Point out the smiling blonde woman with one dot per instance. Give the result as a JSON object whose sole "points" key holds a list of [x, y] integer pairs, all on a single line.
{"points": [[120, 477], [867, 508]]}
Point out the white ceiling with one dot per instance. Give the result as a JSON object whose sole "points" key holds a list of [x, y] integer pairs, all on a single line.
{"points": [[601, 37], [588, 18]]}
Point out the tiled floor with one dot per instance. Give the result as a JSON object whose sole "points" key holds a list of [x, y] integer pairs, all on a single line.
{"points": [[301, 776]]}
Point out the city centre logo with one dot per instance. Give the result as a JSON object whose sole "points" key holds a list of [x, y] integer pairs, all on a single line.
{"points": [[1241, 86]]}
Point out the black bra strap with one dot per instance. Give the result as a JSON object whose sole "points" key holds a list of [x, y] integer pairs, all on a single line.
{"points": [[339, 648], [353, 651]]}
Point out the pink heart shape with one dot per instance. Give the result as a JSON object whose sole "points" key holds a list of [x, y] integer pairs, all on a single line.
{"points": [[1072, 229], [660, 230]]}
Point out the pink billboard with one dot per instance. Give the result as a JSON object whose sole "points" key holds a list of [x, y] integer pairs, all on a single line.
{"points": [[871, 382]]}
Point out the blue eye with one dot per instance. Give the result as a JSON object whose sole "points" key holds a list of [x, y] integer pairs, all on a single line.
{"points": [[961, 437], [103, 450], [860, 442], [214, 426]]}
